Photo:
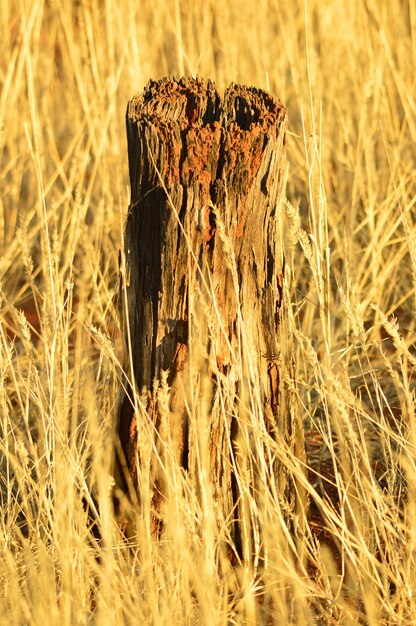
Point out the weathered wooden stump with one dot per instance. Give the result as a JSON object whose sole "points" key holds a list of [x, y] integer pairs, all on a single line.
{"points": [[207, 180]]}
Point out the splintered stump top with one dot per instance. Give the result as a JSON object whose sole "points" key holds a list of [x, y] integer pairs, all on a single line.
{"points": [[191, 112]]}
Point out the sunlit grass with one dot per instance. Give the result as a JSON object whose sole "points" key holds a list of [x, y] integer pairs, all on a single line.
{"points": [[345, 70]]}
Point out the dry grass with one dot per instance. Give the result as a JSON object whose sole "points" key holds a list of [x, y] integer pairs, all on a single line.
{"points": [[346, 71]]}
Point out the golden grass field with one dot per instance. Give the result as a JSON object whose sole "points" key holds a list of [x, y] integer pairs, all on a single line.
{"points": [[346, 72]]}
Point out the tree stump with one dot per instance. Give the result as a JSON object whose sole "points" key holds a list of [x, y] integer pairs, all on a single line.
{"points": [[203, 250]]}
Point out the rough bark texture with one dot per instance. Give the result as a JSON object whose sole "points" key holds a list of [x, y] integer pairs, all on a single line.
{"points": [[207, 180]]}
